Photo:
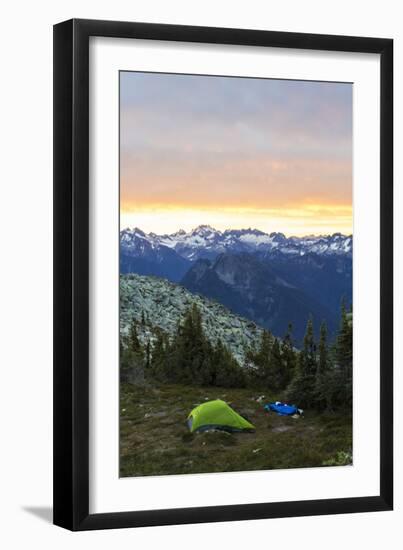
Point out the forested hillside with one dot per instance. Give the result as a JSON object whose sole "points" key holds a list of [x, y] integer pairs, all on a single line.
{"points": [[169, 335]]}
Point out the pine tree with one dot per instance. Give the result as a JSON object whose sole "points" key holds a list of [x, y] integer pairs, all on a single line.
{"points": [[302, 388], [134, 342], [225, 370], [132, 367], [191, 352], [265, 346], [323, 351], [131, 357], [121, 345], [289, 357], [309, 350], [123, 365], [323, 381], [158, 361], [344, 341], [344, 356], [261, 359], [148, 356], [275, 376]]}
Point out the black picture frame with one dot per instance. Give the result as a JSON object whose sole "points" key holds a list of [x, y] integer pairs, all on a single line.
{"points": [[71, 274]]}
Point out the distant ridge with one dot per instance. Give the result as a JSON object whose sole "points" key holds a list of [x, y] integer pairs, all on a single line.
{"points": [[268, 278], [253, 289], [206, 242]]}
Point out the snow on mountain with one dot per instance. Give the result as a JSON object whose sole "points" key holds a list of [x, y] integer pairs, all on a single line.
{"points": [[309, 275], [206, 242], [146, 255]]}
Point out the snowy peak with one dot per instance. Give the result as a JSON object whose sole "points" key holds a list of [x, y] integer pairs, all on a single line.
{"points": [[205, 230], [205, 241]]}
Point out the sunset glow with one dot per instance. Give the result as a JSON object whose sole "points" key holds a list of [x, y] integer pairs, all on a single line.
{"points": [[235, 153]]}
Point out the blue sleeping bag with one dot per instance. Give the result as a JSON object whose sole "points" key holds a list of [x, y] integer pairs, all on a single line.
{"points": [[281, 408]]}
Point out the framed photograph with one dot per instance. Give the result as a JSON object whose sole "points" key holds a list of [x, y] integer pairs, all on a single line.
{"points": [[223, 259]]}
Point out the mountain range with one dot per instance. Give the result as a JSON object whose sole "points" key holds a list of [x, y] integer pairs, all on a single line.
{"points": [[207, 242], [268, 278], [255, 290]]}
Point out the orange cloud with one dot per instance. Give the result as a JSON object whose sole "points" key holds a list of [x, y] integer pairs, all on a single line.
{"points": [[227, 182], [234, 152]]}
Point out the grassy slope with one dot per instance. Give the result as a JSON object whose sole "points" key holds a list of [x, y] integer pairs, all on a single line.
{"points": [[155, 441]]}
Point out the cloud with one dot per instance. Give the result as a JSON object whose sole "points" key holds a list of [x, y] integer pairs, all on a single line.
{"points": [[219, 142], [229, 113], [228, 180]]}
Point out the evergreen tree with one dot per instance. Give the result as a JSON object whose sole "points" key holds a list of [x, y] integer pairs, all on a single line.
{"points": [[225, 370], [323, 351], [275, 362], [148, 356], [191, 352], [323, 383], [265, 347], [344, 357], [192, 359], [121, 345], [131, 357], [261, 359], [302, 388], [276, 368], [134, 342], [309, 350], [344, 347], [158, 362], [131, 367], [289, 358], [122, 363]]}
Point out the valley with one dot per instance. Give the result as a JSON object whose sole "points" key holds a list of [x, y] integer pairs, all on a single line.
{"points": [[269, 279]]}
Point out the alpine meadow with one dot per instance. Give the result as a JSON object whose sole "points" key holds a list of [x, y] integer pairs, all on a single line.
{"points": [[236, 274]]}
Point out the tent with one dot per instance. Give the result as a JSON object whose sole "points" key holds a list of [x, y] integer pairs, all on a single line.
{"points": [[282, 409], [217, 415]]}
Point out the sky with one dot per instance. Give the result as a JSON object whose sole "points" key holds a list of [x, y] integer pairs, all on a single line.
{"points": [[233, 153]]}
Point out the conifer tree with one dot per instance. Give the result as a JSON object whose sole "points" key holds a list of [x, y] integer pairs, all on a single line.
{"points": [[265, 346], [131, 357], [302, 388], [191, 352], [289, 357], [121, 345], [158, 366], [261, 358], [344, 342], [323, 381], [225, 370], [309, 350], [323, 351], [276, 374], [123, 366], [344, 356], [148, 356], [134, 342]]}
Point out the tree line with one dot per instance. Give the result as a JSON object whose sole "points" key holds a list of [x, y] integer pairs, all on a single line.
{"points": [[319, 375]]}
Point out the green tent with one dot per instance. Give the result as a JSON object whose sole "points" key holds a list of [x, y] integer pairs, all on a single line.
{"points": [[218, 415]]}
